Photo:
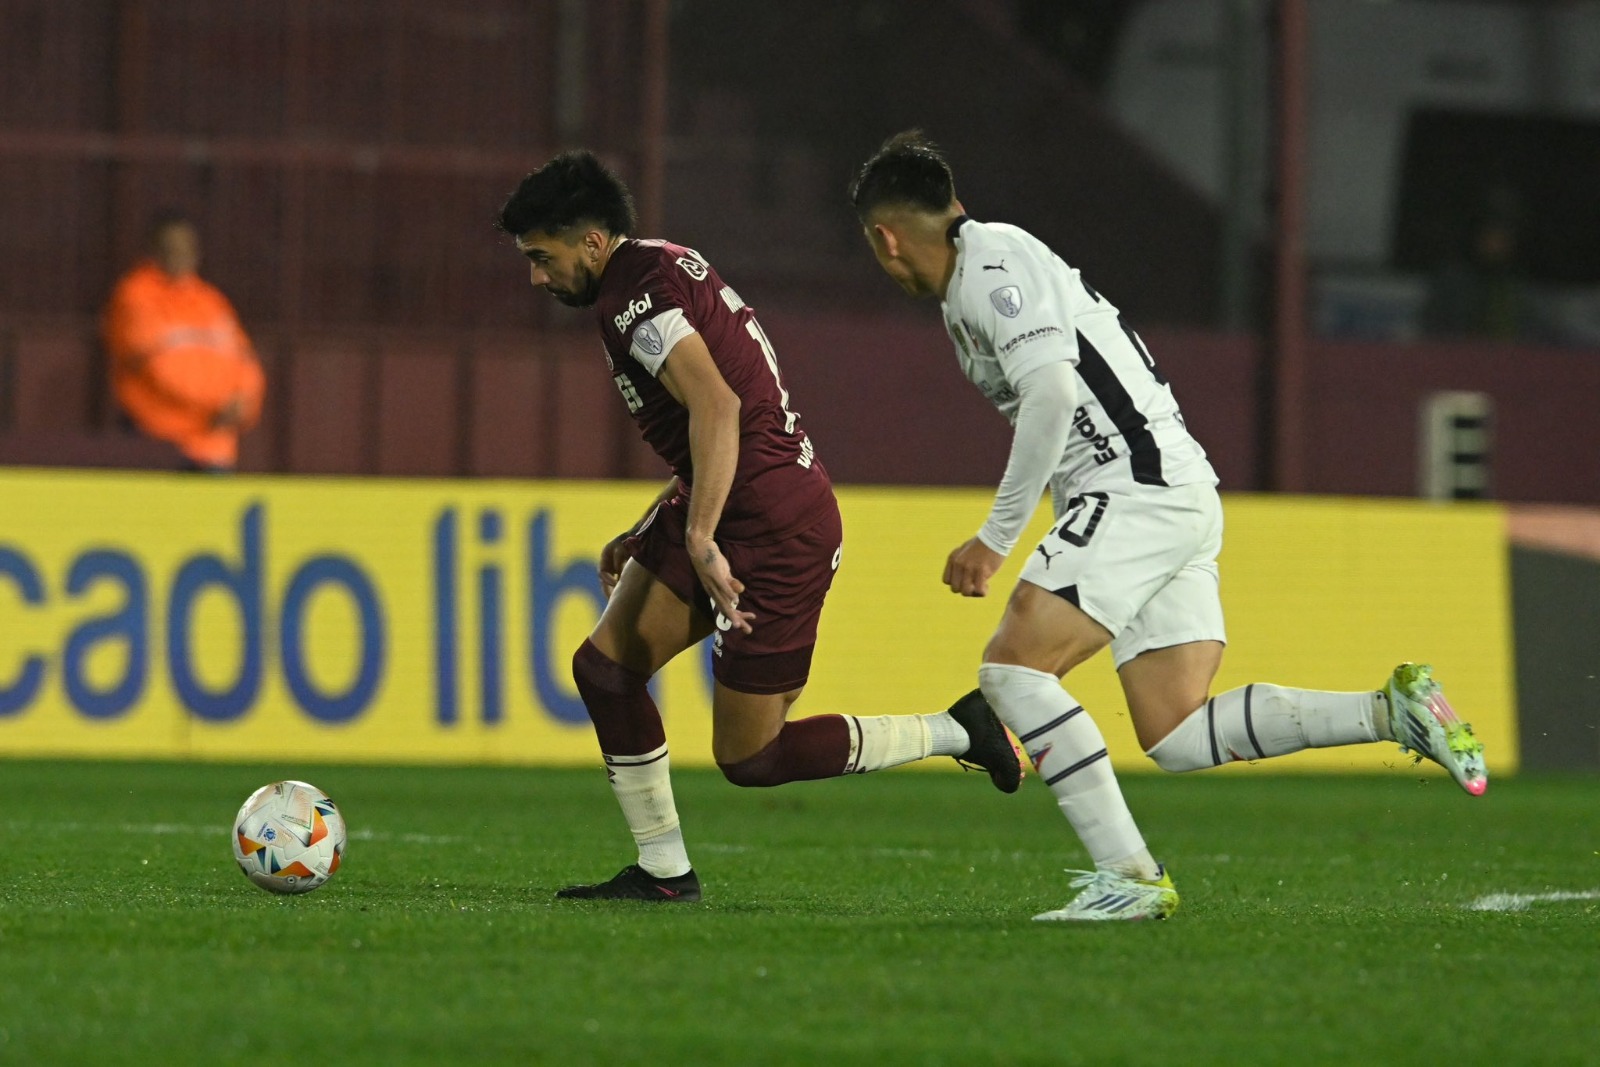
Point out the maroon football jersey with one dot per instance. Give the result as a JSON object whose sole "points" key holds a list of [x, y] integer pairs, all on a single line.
{"points": [[652, 295]]}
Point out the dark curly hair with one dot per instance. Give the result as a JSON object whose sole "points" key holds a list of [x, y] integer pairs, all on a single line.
{"points": [[907, 169], [573, 188]]}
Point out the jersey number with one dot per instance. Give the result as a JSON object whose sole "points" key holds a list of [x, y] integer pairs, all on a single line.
{"points": [[1144, 353], [630, 395], [1133, 338], [755, 331], [1082, 518]]}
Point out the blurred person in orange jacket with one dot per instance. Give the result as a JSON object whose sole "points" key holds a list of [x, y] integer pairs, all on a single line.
{"points": [[182, 367]]}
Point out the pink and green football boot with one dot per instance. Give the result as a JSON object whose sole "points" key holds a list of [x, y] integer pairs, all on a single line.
{"points": [[1425, 725]]}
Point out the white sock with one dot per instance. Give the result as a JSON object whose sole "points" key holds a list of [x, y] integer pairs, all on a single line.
{"points": [[881, 741], [947, 736], [1261, 720], [1069, 753], [1380, 716], [643, 786]]}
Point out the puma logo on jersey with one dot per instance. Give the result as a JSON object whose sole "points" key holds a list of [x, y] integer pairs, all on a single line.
{"points": [[1048, 556], [998, 266], [634, 309]]}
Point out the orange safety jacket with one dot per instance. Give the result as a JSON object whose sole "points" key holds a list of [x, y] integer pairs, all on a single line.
{"points": [[178, 358]]}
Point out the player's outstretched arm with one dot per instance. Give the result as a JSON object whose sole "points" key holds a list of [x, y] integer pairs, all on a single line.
{"points": [[691, 376]]}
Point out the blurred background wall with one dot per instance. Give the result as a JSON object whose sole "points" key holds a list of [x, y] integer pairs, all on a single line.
{"points": [[344, 162]]}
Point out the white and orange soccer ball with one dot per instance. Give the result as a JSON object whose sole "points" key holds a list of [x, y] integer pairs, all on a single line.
{"points": [[289, 837]]}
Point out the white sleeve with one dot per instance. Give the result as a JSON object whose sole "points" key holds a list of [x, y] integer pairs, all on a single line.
{"points": [[1026, 319], [655, 337], [1049, 395]]}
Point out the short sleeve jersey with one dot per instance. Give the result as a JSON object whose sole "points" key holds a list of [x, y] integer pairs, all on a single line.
{"points": [[1013, 306], [654, 294]]}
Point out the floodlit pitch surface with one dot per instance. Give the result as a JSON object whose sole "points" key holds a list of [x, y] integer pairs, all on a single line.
{"points": [[880, 920]]}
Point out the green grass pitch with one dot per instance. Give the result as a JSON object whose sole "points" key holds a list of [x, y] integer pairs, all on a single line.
{"points": [[878, 920]]}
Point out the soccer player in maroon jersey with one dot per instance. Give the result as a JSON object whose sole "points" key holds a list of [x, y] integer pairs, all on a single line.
{"points": [[742, 543]]}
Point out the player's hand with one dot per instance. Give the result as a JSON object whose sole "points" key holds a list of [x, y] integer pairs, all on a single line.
{"points": [[613, 557], [718, 580], [970, 567]]}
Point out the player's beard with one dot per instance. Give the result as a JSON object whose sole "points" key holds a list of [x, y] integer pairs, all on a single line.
{"points": [[586, 293]]}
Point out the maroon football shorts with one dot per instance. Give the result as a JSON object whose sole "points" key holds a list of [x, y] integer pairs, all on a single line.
{"points": [[785, 583]]}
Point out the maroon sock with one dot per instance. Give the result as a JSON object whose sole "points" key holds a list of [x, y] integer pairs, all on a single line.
{"points": [[626, 720], [803, 751]]}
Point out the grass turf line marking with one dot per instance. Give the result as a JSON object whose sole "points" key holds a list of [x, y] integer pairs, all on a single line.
{"points": [[1522, 901]]}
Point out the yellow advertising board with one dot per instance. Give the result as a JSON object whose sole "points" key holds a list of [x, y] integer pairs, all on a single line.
{"points": [[1319, 593], [161, 615]]}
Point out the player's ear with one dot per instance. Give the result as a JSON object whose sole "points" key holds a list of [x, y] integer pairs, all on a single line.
{"points": [[886, 237]]}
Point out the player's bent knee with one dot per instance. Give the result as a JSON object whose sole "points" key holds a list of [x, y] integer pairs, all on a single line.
{"points": [[759, 771], [998, 680], [1186, 748], [1174, 760], [625, 719], [595, 672]]}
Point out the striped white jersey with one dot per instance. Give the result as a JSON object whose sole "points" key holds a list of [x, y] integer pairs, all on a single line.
{"points": [[1013, 306]]}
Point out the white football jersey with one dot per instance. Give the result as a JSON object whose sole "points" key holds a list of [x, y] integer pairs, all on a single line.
{"points": [[1013, 306]]}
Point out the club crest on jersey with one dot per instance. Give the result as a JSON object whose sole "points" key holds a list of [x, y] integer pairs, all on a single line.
{"points": [[695, 269], [648, 338], [1007, 300]]}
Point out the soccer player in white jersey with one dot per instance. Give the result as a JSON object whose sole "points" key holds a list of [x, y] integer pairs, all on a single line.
{"points": [[1131, 559]]}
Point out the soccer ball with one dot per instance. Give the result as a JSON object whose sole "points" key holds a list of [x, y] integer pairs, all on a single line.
{"points": [[289, 837]]}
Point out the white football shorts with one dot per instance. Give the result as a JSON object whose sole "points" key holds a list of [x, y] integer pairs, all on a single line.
{"points": [[1142, 562]]}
